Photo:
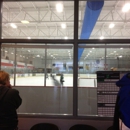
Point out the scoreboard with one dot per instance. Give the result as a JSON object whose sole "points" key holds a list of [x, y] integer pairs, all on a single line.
{"points": [[107, 92]]}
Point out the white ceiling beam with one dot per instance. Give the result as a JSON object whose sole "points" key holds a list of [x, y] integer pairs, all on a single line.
{"points": [[43, 33], [49, 8], [104, 18], [116, 32], [59, 27], [69, 21], [126, 31], [119, 15], [39, 37], [68, 8], [72, 16], [34, 6], [44, 16], [6, 6], [24, 33], [15, 17], [30, 16], [7, 33], [5, 19], [20, 6], [32, 9], [57, 16], [32, 32]]}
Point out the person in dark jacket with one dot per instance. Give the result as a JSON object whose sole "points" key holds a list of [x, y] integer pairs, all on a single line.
{"points": [[9, 102], [62, 79], [122, 107]]}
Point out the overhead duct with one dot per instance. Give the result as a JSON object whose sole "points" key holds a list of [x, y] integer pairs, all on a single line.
{"points": [[92, 12]]}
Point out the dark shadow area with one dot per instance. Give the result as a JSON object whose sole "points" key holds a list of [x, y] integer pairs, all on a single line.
{"points": [[44, 126], [82, 127], [110, 128]]}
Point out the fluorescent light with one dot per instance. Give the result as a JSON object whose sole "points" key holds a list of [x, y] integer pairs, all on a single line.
{"points": [[126, 7], [111, 25], [13, 25], [29, 37], [66, 37], [24, 21], [63, 25], [101, 37], [38, 55], [59, 7]]}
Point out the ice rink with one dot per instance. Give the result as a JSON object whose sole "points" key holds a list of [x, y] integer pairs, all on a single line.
{"points": [[84, 80]]}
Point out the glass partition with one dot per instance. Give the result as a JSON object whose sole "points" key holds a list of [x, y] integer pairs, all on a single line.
{"points": [[43, 73], [42, 76], [8, 62], [94, 97], [89, 62], [60, 63], [103, 19], [38, 20]]}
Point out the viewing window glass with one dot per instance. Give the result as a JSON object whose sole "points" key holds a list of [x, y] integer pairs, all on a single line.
{"points": [[103, 19], [99, 67], [38, 20], [90, 60], [44, 72], [8, 61]]}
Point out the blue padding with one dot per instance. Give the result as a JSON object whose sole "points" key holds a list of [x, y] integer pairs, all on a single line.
{"points": [[92, 12]]}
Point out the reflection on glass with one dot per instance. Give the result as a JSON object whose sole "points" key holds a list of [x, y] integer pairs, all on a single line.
{"points": [[94, 58], [91, 60], [43, 72], [8, 62]]}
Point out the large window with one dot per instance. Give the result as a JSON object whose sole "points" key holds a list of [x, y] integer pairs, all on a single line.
{"points": [[51, 49], [38, 20], [95, 58], [103, 19], [44, 74]]}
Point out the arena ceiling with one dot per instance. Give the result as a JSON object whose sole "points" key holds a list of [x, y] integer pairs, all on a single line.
{"points": [[45, 23]]}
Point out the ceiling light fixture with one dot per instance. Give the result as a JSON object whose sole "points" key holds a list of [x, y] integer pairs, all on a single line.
{"points": [[24, 21], [66, 37], [38, 55], [126, 7], [59, 7], [111, 25], [29, 37], [63, 25], [101, 37], [13, 25]]}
